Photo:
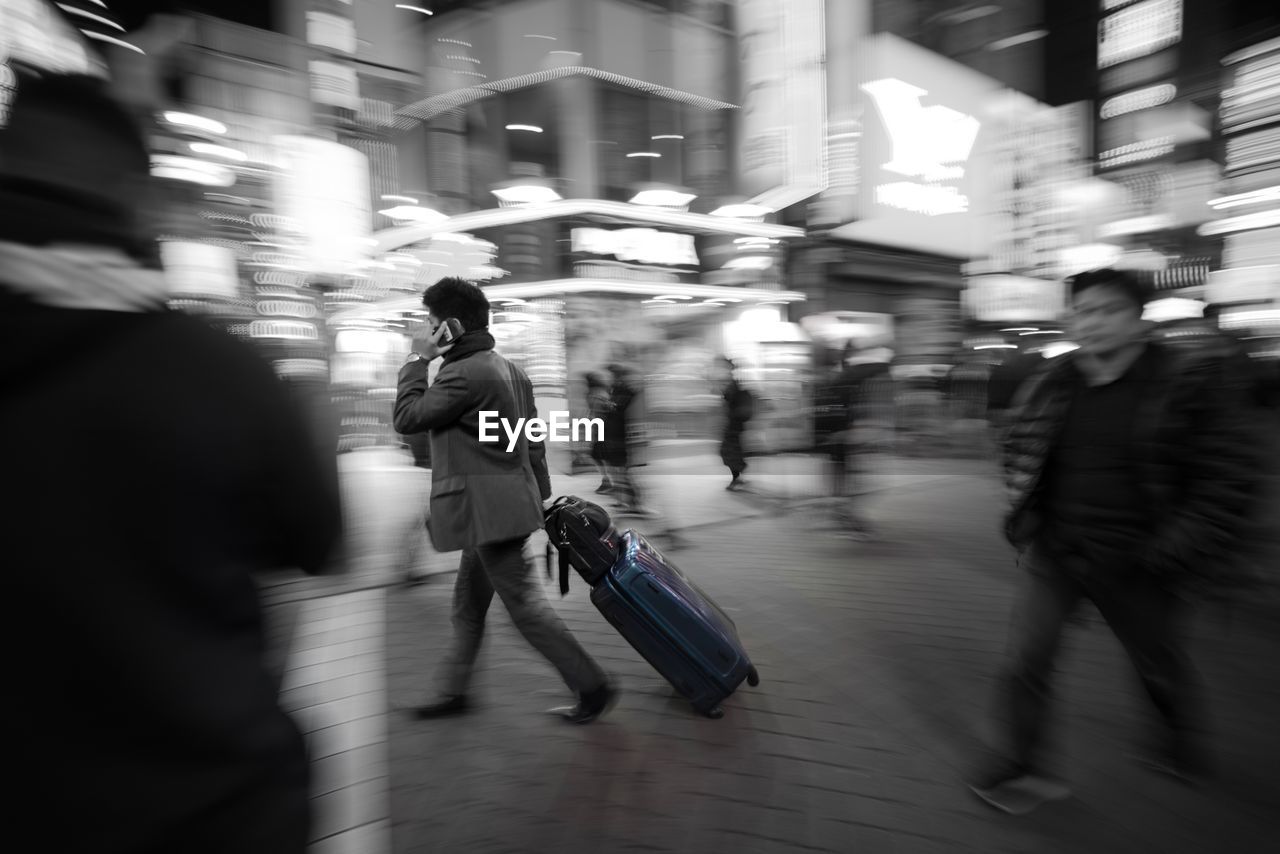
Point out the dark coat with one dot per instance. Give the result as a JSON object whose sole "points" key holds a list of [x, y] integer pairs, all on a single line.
{"points": [[1197, 466], [620, 423], [480, 492], [151, 465]]}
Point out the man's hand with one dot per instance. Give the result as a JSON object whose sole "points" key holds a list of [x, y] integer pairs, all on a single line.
{"points": [[423, 343]]}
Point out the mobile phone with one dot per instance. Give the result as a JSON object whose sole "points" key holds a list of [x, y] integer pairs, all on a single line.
{"points": [[448, 331]]}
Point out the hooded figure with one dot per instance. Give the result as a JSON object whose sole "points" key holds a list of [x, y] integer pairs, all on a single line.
{"points": [[152, 465]]}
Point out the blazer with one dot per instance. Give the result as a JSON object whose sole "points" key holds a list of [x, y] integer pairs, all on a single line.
{"points": [[480, 492]]}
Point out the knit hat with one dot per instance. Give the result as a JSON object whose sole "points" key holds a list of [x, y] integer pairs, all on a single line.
{"points": [[74, 166]]}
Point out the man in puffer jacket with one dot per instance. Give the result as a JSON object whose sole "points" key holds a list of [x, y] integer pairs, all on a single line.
{"points": [[1128, 467]]}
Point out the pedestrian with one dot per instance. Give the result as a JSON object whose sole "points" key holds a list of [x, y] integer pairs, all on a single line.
{"points": [[153, 465], [1129, 468], [598, 406], [485, 499], [623, 435], [739, 408], [413, 541], [835, 399]]}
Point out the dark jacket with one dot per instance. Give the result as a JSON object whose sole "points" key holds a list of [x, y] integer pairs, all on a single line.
{"points": [[620, 423], [480, 492], [1196, 467], [151, 464]]}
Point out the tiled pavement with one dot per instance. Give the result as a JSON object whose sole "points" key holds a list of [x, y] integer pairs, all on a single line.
{"points": [[876, 662]]}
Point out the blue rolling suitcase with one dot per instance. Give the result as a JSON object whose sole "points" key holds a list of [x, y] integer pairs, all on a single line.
{"points": [[662, 614]]}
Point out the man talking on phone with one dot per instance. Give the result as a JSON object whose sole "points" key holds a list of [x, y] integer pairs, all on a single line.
{"points": [[485, 500]]}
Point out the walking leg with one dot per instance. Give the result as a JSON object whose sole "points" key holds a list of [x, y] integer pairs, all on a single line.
{"points": [[472, 594], [513, 580]]}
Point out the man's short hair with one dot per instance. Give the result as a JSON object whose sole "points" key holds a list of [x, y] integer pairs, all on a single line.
{"points": [[1122, 280], [460, 299]]}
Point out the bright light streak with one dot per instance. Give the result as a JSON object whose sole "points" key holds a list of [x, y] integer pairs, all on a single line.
{"points": [[526, 194], [1014, 41], [111, 40], [72, 10], [530, 128], [644, 154], [198, 122], [668, 136], [392, 197], [413, 213], [1262, 219], [219, 151], [1266, 194], [663, 198], [418, 9], [745, 211]]}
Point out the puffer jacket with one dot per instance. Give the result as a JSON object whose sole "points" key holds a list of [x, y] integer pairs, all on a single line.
{"points": [[1196, 460]]}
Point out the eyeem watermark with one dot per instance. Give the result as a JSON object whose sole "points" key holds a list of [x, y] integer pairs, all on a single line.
{"points": [[561, 428]]}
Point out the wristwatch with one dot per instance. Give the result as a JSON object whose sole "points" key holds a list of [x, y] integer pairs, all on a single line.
{"points": [[413, 357]]}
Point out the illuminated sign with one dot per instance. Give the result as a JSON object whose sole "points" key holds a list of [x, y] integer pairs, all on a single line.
{"points": [[285, 308], [199, 269], [928, 144], [1138, 99], [1138, 31], [323, 189], [645, 245], [1013, 298]]}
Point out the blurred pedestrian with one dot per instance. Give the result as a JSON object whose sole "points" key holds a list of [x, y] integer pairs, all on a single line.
{"points": [[739, 408], [153, 465], [1129, 469], [413, 541], [598, 406], [485, 500], [623, 437], [835, 409]]}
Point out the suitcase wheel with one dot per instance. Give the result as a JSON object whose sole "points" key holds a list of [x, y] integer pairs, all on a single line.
{"points": [[753, 678], [715, 713]]}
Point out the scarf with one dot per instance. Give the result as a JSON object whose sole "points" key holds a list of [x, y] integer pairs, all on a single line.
{"points": [[475, 341], [81, 277]]}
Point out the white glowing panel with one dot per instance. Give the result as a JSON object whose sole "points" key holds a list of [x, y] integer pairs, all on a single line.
{"points": [[924, 153], [331, 31], [645, 245], [199, 269], [781, 46], [1139, 30], [323, 188], [1013, 299]]}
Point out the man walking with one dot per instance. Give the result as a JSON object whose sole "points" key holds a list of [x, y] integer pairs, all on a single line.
{"points": [[1128, 470], [485, 500], [739, 408]]}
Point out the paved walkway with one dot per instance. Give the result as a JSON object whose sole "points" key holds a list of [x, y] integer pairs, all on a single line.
{"points": [[876, 659]]}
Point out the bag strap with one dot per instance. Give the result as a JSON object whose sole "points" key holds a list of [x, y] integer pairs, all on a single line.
{"points": [[564, 572]]}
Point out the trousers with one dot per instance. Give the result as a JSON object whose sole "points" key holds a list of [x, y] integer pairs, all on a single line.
{"points": [[501, 568], [1146, 618]]}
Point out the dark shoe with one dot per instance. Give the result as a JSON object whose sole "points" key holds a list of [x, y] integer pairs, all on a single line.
{"points": [[1011, 788], [590, 706], [455, 704]]}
